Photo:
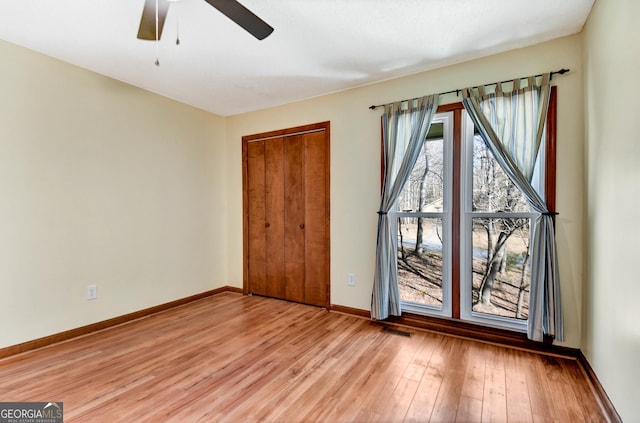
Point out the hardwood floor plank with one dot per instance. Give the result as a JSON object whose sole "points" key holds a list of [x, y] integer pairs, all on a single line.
{"points": [[562, 394], [452, 361], [384, 375], [354, 382], [469, 410], [517, 388], [494, 405], [396, 407], [538, 389], [424, 399], [474, 378], [234, 358], [583, 394]]}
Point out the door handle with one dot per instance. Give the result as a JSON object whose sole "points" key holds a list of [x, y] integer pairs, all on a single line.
{"points": [[302, 226], [266, 225]]}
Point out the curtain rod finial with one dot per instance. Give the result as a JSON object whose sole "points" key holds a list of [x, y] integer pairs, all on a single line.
{"points": [[559, 72]]}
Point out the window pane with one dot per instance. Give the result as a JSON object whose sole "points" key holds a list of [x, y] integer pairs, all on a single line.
{"points": [[423, 191], [420, 260], [493, 191], [501, 275]]}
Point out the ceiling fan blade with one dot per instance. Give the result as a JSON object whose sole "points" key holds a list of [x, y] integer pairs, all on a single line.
{"points": [[147, 30], [243, 17]]}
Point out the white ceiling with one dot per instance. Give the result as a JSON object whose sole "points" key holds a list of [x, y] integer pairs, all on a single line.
{"points": [[318, 46]]}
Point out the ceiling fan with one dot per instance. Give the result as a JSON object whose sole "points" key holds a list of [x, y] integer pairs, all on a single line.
{"points": [[232, 9]]}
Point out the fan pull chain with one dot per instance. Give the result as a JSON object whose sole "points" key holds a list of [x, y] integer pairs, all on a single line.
{"points": [[157, 41], [177, 28], [172, 3]]}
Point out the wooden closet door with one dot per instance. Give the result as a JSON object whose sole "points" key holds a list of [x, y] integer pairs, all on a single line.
{"points": [[274, 218], [316, 249], [255, 219], [294, 233], [286, 214], [265, 191]]}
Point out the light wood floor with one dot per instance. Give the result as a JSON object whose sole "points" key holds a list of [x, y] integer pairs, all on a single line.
{"points": [[241, 359]]}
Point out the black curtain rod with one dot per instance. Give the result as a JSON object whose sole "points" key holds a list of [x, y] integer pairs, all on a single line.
{"points": [[559, 72]]}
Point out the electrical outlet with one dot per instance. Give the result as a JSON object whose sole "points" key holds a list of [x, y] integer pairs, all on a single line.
{"points": [[351, 279], [92, 292]]}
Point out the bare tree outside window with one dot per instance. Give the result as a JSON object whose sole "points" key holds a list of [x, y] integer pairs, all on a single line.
{"points": [[500, 243], [500, 246]]}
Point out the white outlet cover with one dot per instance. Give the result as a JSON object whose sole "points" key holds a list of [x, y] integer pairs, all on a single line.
{"points": [[92, 292]]}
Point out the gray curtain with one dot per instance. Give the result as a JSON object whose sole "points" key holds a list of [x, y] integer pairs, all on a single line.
{"points": [[512, 124], [404, 129]]}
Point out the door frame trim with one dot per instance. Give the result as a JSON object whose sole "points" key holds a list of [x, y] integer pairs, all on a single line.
{"points": [[314, 127]]}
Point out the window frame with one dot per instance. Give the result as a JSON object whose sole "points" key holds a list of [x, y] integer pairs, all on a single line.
{"points": [[466, 235], [447, 120], [457, 209]]}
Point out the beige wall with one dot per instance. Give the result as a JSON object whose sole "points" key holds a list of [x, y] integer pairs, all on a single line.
{"points": [[355, 164], [101, 183], [612, 324]]}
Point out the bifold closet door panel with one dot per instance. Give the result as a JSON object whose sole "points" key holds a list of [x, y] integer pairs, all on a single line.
{"points": [[275, 217], [316, 219], [294, 218], [256, 221]]}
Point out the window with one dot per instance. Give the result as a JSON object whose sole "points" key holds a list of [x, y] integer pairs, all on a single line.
{"points": [[495, 232], [423, 219], [464, 230]]}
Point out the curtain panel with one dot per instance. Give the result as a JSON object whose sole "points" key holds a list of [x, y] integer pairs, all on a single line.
{"points": [[512, 124], [404, 128]]}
